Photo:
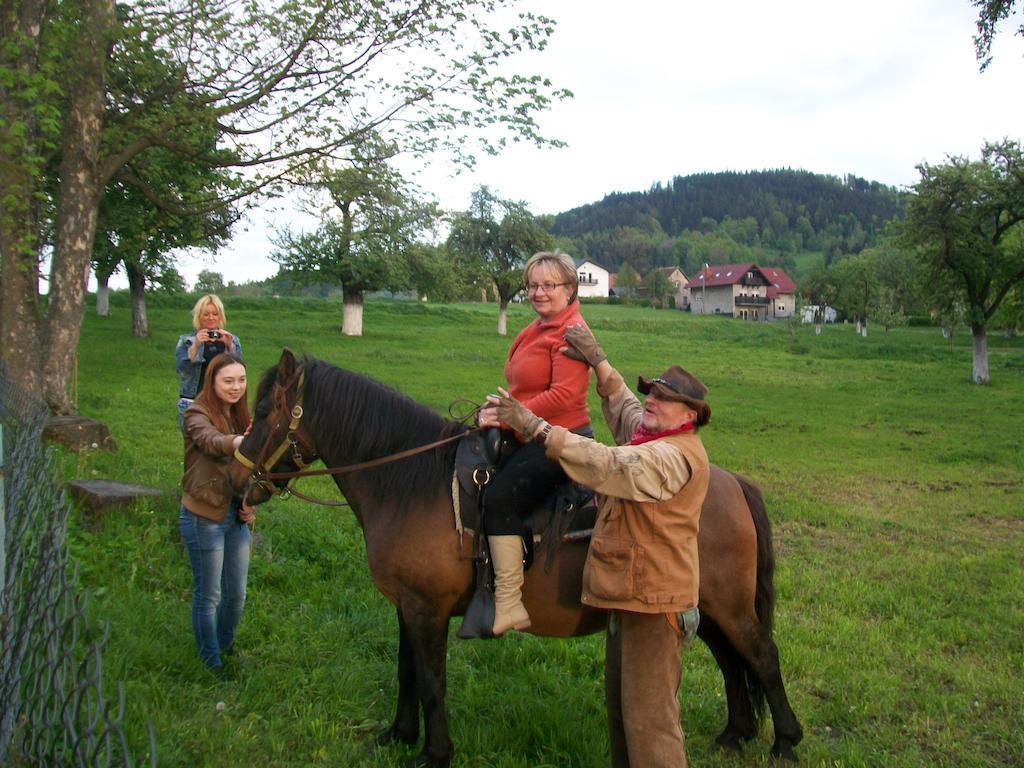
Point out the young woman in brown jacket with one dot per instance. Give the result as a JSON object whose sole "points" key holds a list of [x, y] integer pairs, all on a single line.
{"points": [[215, 523]]}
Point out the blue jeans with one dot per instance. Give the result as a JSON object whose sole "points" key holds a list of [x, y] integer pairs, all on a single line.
{"points": [[219, 556], [183, 404]]}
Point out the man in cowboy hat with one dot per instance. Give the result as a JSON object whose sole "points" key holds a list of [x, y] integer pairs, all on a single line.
{"points": [[642, 564]]}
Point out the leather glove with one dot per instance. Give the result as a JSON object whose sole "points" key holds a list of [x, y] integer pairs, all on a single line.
{"points": [[518, 416], [583, 346]]}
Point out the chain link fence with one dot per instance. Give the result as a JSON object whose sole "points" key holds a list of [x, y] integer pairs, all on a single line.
{"points": [[55, 710]]}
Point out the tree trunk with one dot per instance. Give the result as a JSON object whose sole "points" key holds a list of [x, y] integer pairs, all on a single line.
{"points": [[979, 354], [352, 312], [103, 295], [78, 205], [20, 332], [137, 287], [503, 317]]}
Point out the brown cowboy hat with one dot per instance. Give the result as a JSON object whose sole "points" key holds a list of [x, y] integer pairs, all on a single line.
{"points": [[681, 386]]}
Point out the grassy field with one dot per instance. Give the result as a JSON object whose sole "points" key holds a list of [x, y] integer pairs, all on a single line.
{"points": [[896, 490]]}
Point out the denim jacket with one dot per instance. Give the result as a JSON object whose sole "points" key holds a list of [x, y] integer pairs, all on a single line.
{"points": [[189, 371]]}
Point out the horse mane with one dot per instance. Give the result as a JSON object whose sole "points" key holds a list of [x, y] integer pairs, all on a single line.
{"points": [[351, 415]]}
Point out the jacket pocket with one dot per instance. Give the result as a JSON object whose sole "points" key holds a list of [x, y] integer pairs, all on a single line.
{"points": [[213, 491], [611, 568]]}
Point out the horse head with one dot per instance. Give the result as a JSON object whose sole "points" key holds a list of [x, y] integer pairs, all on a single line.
{"points": [[276, 443]]}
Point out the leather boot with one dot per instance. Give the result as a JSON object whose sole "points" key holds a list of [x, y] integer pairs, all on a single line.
{"points": [[507, 557]]}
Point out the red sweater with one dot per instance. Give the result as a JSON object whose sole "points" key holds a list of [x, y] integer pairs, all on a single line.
{"points": [[547, 382]]}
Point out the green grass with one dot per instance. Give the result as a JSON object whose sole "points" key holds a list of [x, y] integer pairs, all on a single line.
{"points": [[895, 486]]}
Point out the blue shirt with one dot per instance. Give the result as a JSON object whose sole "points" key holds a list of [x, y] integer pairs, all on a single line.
{"points": [[191, 371]]}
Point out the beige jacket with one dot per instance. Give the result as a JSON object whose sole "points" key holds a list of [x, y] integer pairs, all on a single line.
{"points": [[206, 491], [643, 555]]}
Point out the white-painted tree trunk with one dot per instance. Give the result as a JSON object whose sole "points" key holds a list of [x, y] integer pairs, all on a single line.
{"points": [[352, 314], [503, 318], [137, 288], [102, 297], [979, 355]]}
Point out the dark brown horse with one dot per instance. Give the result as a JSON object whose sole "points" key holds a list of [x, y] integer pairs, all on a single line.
{"points": [[418, 562]]}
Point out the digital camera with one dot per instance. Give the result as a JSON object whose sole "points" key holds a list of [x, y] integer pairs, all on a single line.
{"points": [[213, 334]]}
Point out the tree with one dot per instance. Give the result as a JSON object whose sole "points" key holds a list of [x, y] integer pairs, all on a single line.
{"points": [[856, 284], [283, 83], [819, 290], [496, 237], [376, 218], [966, 218], [434, 273], [627, 280], [886, 310], [143, 237], [208, 281], [990, 13], [658, 287]]}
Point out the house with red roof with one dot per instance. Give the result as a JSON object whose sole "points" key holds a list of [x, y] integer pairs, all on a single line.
{"points": [[745, 291]]}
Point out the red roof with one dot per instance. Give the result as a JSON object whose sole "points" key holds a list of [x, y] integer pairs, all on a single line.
{"points": [[721, 274], [780, 282], [730, 274]]}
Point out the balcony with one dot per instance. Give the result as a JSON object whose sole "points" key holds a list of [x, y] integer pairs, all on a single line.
{"points": [[751, 300]]}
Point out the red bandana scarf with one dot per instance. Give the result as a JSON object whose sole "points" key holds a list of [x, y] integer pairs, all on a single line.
{"points": [[644, 435]]}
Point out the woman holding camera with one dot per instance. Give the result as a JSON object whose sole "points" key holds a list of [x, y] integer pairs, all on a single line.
{"points": [[195, 350]]}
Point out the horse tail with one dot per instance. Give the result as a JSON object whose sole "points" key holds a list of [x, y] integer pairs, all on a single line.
{"points": [[764, 598], [764, 595]]}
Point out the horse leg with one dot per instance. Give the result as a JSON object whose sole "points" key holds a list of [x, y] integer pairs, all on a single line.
{"points": [[427, 629], [753, 642], [742, 716], [406, 725]]}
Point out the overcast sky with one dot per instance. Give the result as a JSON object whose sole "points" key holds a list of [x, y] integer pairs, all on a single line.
{"points": [[678, 87]]}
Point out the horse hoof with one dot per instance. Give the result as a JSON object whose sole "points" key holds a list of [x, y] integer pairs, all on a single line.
{"points": [[730, 740], [425, 761], [393, 735], [783, 750]]}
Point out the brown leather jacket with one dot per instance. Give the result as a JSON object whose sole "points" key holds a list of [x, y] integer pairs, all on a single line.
{"points": [[206, 491], [643, 554]]}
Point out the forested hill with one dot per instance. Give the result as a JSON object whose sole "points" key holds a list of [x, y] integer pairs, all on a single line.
{"points": [[779, 212]]}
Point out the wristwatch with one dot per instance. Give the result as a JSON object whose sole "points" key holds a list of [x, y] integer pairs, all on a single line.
{"points": [[543, 436]]}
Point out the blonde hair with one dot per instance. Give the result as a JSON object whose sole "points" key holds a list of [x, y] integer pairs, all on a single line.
{"points": [[558, 262], [197, 310]]}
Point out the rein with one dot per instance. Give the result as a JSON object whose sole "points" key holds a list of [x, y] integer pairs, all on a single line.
{"points": [[265, 479], [366, 464]]}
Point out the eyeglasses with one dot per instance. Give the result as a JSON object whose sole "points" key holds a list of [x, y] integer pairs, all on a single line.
{"points": [[548, 287]]}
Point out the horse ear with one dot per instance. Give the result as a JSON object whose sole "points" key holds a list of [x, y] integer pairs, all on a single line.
{"points": [[286, 365]]}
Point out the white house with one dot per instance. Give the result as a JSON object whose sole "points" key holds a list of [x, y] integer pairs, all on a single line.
{"points": [[593, 278]]}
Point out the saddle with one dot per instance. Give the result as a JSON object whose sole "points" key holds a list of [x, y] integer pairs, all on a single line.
{"points": [[567, 514]]}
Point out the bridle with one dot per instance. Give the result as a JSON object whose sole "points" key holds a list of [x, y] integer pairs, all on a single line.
{"points": [[262, 477], [259, 474]]}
